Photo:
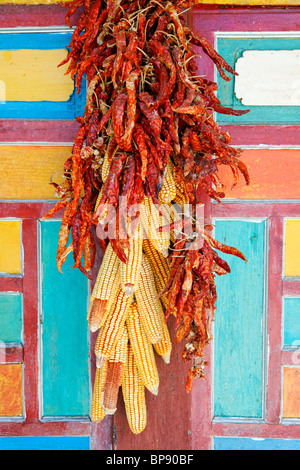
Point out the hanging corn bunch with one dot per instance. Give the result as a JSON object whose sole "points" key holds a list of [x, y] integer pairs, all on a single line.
{"points": [[147, 141]]}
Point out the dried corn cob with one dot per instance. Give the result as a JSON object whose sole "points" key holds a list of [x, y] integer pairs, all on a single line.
{"points": [[142, 350], [134, 395], [168, 190], [114, 374], [103, 215], [105, 289], [111, 331], [164, 346], [148, 303], [130, 271], [160, 267], [97, 412], [151, 221]]}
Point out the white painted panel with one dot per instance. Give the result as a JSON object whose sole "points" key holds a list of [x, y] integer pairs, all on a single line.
{"points": [[268, 78]]}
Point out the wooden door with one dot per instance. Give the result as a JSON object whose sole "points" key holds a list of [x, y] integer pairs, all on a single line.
{"points": [[250, 398]]}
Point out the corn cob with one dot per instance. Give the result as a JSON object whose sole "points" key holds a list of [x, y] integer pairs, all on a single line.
{"points": [[114, 374], [151, 221], [142, 350], [168, 190], [164, 346], [97, 412], [103, 215], [181, 197], [112, 329], [160, 268], [148, 303], [106, 162], [134, 395], [105, 289], [130, 271]]}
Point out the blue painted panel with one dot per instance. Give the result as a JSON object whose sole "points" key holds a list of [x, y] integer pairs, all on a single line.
{"points": [[64, 332], [292, 321], [238, 328], [10, 317], [45, 443], [231, 49], [67, 110], [246, 443]]}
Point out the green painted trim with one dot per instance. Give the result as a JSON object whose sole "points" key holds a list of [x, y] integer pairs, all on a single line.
{"points": [[238, 328], [65, 345], [231, 49], [11, 306]]}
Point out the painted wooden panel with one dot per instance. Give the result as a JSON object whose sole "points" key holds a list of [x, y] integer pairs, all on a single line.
{"points": [[292, 248], [10, 317], [248, 443], [46, 92], [33, 75], [11, 400], [291, 310], [238, 328], [65, 372], [268, 78], [45, 443], [232, 47], [10, 242], [274, 173], [27, 170], [291, 392]]}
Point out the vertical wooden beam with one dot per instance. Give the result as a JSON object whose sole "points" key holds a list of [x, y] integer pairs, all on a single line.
{"points": [[30, 306], [274, 320]]}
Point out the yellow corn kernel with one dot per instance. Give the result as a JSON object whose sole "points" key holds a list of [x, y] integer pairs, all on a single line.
{"points": [[130, 271], [181, 197], [111, 331], [151, 221], [168, 189], [97, 412], [160, 267], [134, 395], [97, 314], [106, 163], [114, 374], [106, 288], [148, 303], [164, 346], [142, 350]]}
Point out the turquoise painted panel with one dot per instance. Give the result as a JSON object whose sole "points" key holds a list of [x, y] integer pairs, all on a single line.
{"points": [[292, 321], [231, 49], [238, 326], [67, 110], [65, 345], [10, 317], [247, 443], [45, 443]]}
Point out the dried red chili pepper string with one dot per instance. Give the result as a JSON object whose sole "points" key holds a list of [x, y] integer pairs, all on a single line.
{"points": [[146, 104]]}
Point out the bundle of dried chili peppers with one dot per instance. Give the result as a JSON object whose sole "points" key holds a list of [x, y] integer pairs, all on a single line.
{"points": [[148, 109]]}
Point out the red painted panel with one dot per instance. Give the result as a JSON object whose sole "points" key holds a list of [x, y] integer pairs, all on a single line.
{"points": [[11, 284], [274, 320], [30, 311], [37, 131], [11, 355], [256, 430], [13, 16]]}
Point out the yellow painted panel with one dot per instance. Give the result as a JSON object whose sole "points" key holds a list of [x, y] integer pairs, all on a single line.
{"points": [[10, 246], [33, 75], [11, 399], [291, 393], [26, 171], [292, 248]]}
